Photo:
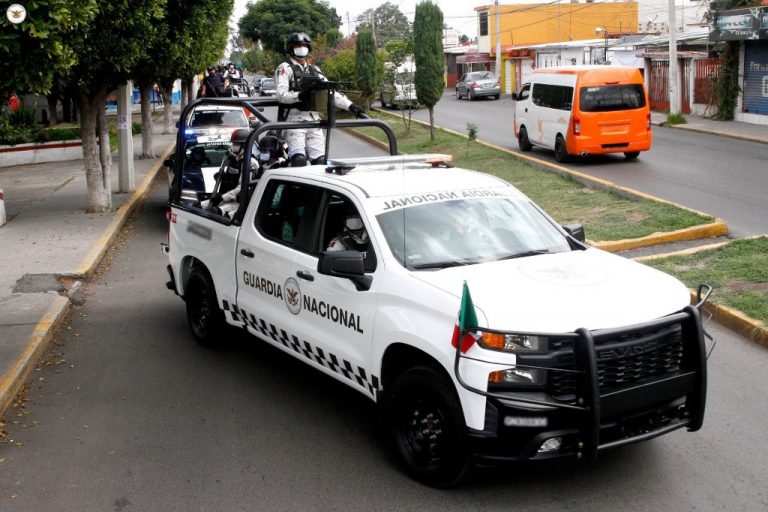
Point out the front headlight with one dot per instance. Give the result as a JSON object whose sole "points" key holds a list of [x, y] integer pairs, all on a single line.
{"points": [[517, 343]]}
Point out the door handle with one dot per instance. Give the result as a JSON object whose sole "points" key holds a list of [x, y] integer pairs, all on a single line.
{"points": [[247, 253], [305, 275], [526, 109]]}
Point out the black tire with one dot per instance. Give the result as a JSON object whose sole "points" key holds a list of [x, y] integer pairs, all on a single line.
{"points": [[425, 427], [496, 97], [522, 140], [470, 96], [205, 318], [561, 151], [631, 155], [458, 96]]}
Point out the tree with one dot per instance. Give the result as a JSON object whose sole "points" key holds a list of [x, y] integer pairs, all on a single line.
{"points": [[271, 21], [388, 22], [106, 52], [428, 56], [365, 65], [33, 52]]}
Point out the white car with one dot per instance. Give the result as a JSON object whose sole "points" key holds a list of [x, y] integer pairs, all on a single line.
{"points": [[486, 331], [215, 123]]}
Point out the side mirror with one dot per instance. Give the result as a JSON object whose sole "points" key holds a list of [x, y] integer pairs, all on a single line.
{"points": [[346, 264], [514, 96], [576, 230]]}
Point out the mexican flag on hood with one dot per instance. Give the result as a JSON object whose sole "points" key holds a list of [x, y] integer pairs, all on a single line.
{"points": [[466, 323]]}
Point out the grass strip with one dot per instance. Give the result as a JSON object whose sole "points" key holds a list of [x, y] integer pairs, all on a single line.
{"points": [[737, 270], [606, 215]]}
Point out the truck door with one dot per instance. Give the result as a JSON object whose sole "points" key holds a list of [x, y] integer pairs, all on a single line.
{"points": [[267, 247], [335, 319]]}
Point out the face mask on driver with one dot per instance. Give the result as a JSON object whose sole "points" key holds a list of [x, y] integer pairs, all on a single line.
{"points": [[354, 223], [264, 156], [301, 51]]}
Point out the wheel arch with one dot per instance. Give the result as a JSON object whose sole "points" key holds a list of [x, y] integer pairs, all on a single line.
{"points": [[399, 357]]}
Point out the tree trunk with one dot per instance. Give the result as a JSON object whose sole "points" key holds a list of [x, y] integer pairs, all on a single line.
{"points": [[192, 90], [92, 109], [166, 90], [184, 92], [432, 123], [145, 89], [53, 102]]}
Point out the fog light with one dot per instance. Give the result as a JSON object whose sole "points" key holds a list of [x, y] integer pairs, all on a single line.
{"points": [[552, 444]]}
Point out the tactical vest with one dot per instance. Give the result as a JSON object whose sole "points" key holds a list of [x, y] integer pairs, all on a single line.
{"points": [[349, 243], [295, 85]]}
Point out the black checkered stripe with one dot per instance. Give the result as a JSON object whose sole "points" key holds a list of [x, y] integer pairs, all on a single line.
{"points": [[370, 383]]}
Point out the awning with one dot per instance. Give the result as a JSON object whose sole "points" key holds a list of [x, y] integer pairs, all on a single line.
{"points": [[473, 57]]}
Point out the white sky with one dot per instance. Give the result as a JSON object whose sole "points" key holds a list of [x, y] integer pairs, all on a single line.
{"points": [[456, 13]]}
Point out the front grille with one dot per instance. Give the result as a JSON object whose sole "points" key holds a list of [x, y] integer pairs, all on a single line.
{"points": [[622, 360]]}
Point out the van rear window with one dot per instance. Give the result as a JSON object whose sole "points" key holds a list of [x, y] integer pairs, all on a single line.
{"points": [[611, 97]]}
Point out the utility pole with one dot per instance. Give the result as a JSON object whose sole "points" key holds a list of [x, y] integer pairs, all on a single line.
{"points": [[498, 37], [674, 79]]}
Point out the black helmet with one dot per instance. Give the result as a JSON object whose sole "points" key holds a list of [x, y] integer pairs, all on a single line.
{"points": [[239, 135], [295, 39], [272, 144]]}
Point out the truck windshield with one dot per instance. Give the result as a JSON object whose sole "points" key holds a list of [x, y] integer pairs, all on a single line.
{"points": [[605, 98], [465, 232]]}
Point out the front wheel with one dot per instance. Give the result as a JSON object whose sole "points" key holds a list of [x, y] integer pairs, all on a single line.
{"points": [[205, 318], [631, 155], [561, 151], [522, 140], [425, 427]]}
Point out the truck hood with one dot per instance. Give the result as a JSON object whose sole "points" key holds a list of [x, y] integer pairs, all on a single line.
{"points": [[553, 293]]}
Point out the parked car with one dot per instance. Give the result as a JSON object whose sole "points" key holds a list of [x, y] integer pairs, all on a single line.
{"points": [[256, 81], [478, 84], [398, 88], [267, 87], [215, 123]]}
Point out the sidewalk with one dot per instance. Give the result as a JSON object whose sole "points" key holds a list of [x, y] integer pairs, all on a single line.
{"points": [[732, 129], [49, 235]]}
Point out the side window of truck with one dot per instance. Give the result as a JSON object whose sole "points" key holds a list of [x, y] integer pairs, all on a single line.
{"points": [[286, 214]]}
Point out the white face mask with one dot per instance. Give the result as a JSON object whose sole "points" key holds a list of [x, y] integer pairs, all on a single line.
{"points": [[301, 51], [354, 223], [264, 157]]}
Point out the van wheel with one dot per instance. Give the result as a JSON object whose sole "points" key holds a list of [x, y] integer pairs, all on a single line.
{"points": [[561, 152], [425, 427], [206, 320], [522, 140], [631, 155]]}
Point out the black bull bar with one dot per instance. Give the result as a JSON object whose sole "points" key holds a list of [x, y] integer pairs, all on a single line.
{"points": [[591, 405]]}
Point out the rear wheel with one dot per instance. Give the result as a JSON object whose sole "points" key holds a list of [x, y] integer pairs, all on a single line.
{"points": [[522, 140], [425, 426], [497, 96], [470, 96], [206, 320], [631, 155], [561, 152]]}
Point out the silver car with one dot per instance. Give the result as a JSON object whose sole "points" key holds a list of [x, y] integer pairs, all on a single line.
{"points": [[478, 84]]}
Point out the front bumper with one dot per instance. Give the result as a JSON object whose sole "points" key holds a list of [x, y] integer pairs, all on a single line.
{"points": [[600, 414]]}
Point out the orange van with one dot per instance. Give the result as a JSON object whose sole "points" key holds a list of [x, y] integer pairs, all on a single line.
{"points": [[584, 110]]}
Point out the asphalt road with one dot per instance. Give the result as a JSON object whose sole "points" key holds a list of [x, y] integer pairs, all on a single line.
{"points": [[720, 176], [128, 413]]}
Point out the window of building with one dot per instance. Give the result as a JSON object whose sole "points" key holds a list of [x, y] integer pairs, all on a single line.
{"points": [[483, 20]]}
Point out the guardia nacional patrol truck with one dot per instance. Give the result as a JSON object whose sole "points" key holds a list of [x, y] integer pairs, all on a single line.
{"points": [[485, 331]]}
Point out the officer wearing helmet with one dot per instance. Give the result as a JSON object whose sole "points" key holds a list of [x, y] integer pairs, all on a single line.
{"points": [[271, 152], [227, 196], [304, 145], [353, 235]]}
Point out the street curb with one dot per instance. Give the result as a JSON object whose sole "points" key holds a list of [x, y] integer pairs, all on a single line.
{"points": [[11, 382], [735, 320], [732, 135], [102, 244], [712, 230]]}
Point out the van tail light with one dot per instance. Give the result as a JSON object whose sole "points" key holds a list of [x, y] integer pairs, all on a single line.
{"points": [[576, 125], [648, 122]]}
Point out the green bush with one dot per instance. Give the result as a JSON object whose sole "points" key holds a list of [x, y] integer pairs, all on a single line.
{"points": [[18, 126]]}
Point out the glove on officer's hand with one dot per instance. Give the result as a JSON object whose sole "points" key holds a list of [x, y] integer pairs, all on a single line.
{"points": [[304, 95], [215, 200], [356, 110]]}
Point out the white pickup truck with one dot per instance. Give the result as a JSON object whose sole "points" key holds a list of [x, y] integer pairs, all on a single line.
{"points": [[486, 331]]}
